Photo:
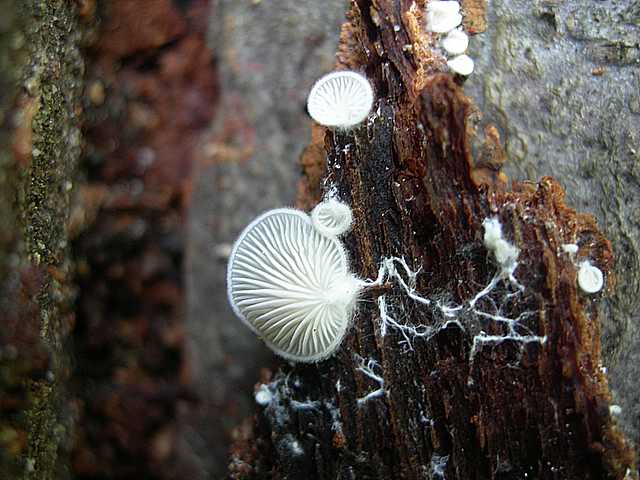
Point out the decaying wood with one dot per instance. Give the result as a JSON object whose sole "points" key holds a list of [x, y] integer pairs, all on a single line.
{"points": [[461, 396]]}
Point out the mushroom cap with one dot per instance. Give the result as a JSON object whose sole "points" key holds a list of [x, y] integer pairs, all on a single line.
{"points": [[456, 42], [462, 64], [590, 278], [443, 16], [291, 285], [340, 99], [332, 217], [447, 6]]}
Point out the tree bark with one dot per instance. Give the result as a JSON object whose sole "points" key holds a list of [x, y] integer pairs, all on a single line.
{"points": [[40, 84], [561, 84], [510, 385]]}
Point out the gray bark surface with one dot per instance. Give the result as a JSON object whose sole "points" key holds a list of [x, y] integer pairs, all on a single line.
{"points": [[561, 80], [269, 54]]}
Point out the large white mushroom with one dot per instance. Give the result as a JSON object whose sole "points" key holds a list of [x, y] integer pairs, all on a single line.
{"points": [[291, 285]]}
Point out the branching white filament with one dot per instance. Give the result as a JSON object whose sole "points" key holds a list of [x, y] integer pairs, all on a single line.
{"points": [[368, 368], [506, 254], [408, 331]]}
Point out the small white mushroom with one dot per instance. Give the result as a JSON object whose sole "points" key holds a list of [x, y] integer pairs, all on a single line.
{"points": [[332, 217], [340, 99], [291, 285], [443, 16], [570, 248], [456, 42], [590, 278], [615, 410], [462, 64], [506, 254], [263, 396]]}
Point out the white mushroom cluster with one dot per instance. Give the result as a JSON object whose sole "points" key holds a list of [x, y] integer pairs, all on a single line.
{"points": [[288, 280], [444, 17]]}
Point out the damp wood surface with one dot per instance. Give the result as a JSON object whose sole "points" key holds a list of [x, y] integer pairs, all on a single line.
{"points": [[470, 400]]}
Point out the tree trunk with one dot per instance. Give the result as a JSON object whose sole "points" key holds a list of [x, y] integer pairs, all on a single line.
{"points": [[453, 368], [40, 84]]}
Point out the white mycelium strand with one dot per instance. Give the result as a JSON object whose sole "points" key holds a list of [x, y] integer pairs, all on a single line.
{"points": [[368, 368], [443, 16], [332, 217], [340, 99], [291, 285]]}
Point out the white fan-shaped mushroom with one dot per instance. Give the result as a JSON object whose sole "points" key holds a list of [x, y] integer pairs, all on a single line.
{"points": [[590, 278], [462, 64], [443, 16], [332, 217], [456, 42], [340, 99], [291, 285]]}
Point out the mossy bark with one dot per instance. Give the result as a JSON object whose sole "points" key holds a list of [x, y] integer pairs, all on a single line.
{"points": [[41, 79]]}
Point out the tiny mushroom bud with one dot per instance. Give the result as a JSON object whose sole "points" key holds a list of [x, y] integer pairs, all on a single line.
{"points": [[443, 16], [456, 42], [462, 64], [570, 248], [331, 217], [590, 278], [291, 285], [340, 99]]}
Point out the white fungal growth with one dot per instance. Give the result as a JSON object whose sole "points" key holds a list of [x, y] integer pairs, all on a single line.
{"points": [[332, 217], [291, 444], [263, 396], [615, 410], [368, 368], [340, 99], [506, 255], [504, 252], [456, 42], [291, 285], [408, 331], [570, 248], [590, 278], [462, 65], [439, 465], [443, 16]]}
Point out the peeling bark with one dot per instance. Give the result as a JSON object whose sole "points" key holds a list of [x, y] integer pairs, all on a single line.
{"points": [[509, 386]]}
